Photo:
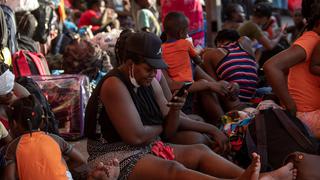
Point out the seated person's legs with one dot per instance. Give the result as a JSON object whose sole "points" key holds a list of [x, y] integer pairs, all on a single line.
{"points": [[210, 166]]}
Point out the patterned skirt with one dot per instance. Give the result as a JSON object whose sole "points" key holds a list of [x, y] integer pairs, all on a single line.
{"points": [[128, 155]]}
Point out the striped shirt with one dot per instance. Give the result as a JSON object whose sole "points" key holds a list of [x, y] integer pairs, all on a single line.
{"points": [[240, 67]]}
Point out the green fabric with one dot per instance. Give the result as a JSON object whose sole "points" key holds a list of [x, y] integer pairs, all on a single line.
{"points": [[146, 19], [250, 30]]}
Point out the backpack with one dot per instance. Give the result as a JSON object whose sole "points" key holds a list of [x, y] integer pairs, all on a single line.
{"points": [[22, 5], [275, 134], [44, 15], [26, 63], [26, 43], [34, 89], [26, 24], [11, 28]]}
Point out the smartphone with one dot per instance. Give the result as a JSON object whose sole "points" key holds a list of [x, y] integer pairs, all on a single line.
{"points": [[184, 87]]}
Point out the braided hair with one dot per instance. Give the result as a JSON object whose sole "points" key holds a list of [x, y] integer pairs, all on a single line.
{"points": [[121, 52], [28, 113]]}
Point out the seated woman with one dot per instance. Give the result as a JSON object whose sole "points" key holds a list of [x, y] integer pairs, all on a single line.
{"points": [[233, 61], [127, 115], [300, 90], [192, 129]]}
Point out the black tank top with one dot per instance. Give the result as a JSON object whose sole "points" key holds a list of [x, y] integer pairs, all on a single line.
{"points": [[96, 115]]}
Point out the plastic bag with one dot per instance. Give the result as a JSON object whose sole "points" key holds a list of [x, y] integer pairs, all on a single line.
{"points": [[68, 96], [22, 5]]}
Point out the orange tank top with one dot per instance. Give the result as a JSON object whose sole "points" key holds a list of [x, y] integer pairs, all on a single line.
{"points": [[39, 157]]}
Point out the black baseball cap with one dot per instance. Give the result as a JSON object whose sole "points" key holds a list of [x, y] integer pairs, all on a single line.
{"points": [[147, 45]]}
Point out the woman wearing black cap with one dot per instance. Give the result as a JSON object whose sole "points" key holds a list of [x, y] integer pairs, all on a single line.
{"points": [[128, 115]]}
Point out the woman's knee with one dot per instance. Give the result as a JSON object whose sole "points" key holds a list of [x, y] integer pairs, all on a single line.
{"points": [[151, 167]]}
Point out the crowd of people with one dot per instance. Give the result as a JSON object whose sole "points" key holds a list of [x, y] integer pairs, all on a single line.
{"points": [[159, 96]]}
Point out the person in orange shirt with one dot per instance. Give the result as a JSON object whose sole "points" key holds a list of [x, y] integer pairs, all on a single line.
{"points": [[315, 61], [35, 154], [183, 62], [301, 94]]}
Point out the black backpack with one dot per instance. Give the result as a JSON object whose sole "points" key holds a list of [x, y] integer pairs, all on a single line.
{"points": [[275, 134], [44, 15], [34, 89]]}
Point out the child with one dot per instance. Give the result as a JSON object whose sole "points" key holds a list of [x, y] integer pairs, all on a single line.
{"points": [[146, 20], [177, 50], [177, 53], [34, 154]]}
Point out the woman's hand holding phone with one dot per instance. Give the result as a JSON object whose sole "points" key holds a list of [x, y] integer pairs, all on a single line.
{"points": [[179, 97]]}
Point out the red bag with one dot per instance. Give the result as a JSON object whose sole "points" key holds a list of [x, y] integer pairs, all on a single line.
{"points": [[26, 63]]}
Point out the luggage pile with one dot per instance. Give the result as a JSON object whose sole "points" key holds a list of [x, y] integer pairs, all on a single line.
{"points": [[61, 80]]}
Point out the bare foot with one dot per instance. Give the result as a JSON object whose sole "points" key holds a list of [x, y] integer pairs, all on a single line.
{"points": [[286, 172], [108, 171], [253, 171], [113, 169]]}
